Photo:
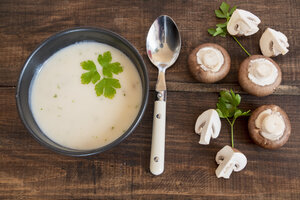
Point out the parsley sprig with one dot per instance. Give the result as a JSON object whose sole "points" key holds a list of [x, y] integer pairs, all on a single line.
{"points": [[227, 107], [107, 85], [109, 68], [92, 75], [225, 12]]}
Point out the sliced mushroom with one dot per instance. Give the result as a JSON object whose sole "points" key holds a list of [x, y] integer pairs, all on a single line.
{"points": [[259, 75], [209, 63], [208, 125], [273, 43], [243, 22], [269, 126], [229, 159]]}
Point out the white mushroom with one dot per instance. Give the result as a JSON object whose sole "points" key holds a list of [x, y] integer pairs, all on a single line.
{"points": [[208, 125], [229, 159], [259, 75], [243, 22], [262, 72], [271, 124], [273, 43], [209, 62], [210, 59]]}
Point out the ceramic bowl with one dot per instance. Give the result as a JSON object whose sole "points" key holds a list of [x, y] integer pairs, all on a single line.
{"points": [[50, 46]]}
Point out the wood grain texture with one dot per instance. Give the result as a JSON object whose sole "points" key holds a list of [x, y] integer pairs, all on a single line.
{"points": [[202, 87], [24, 25], [30, 171]]}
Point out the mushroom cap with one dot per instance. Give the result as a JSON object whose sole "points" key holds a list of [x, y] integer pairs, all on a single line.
{"points": [[208, 76], [253, 88], [243, 18], [208, 125], [229, 159], [272, 43], [255, 132]]}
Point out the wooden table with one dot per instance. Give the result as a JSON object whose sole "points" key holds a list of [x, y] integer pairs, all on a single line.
{"points": [[30, 171]]}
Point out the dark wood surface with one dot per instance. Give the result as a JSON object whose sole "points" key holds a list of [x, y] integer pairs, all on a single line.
{"points": [[30, 171]]}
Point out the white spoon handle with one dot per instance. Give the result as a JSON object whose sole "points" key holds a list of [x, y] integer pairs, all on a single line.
{"points": [[157, 157]]}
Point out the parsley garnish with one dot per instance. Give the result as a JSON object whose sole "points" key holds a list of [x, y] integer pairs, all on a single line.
{"points": [[107, 85], [109, 68], [92, 75], [227, 107], [224, 12]]}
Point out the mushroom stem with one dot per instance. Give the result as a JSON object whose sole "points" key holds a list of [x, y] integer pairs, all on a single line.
{"points": [[241, 45]]}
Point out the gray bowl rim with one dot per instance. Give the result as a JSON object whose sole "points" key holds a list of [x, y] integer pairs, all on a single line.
{"points": [[80, 153]]}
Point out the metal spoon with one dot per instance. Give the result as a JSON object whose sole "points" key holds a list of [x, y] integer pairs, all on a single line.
{"points": [[163, 46]]}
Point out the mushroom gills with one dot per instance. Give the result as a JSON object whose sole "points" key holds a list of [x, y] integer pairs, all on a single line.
{"points": [[229, 160], [262, 72], [243, 22], [210, 59], [208, 125], [273, 43], [271, 125]]}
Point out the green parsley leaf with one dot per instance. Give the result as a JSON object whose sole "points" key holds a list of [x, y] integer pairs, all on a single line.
{"points": [[220, 14], [227, 107], [240, 113], [218, 31], [107, 87], [222, 25], [238, 99], [224, 7], [220, 113], [223, 109], [230, 97], [92, 75], [237, 113], [247, 113], [109, 68], [231, 110], [211, 31], [232, 10], [223, 34], [224, 13], [225, 96]]}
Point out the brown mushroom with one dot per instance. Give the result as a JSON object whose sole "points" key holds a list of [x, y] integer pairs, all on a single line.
{"points": [[209, 63], [269, 126], [259, 75]]}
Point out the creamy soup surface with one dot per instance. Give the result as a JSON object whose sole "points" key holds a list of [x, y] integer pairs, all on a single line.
{"points": [[69, 112]]}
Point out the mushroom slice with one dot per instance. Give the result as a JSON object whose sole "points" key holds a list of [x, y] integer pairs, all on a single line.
{"points": [[243, 22], [269, 126], [229, 159], [259, 75], [208, 125], [209, 63], [273, 43]]}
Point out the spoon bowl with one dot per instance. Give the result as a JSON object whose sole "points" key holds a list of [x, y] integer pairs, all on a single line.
{"points": [[163, 42]]}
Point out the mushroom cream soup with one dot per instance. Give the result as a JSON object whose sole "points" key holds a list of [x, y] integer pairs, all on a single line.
{"points": [[70, 113]]}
